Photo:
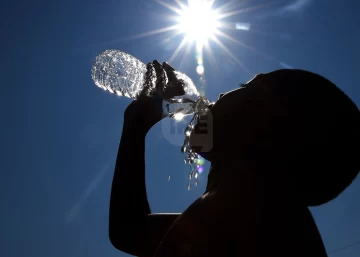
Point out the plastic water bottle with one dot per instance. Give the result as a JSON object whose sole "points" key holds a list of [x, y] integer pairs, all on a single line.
{"points": [[120, 73]]}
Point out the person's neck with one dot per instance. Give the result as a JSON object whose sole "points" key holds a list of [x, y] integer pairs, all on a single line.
{"points": [[237, 178]]}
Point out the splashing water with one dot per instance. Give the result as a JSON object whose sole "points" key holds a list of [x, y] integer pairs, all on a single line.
{"points": [[193, 159]]}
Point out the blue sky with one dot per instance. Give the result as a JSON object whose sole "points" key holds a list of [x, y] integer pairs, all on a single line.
{"points": [[60, 133]]}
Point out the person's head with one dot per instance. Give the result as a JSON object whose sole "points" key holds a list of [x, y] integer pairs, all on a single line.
{"points": [[293, 125]]}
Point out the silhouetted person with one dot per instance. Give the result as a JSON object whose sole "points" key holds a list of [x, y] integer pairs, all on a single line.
{"points": [[286, 140]]}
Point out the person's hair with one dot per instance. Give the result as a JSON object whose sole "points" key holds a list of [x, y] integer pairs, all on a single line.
{"points": [[312, 136]]}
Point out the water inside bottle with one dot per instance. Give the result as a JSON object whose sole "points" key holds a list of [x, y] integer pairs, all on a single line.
{"points": [[118, 73]]}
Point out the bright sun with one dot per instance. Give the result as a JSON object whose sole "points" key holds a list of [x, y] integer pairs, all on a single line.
{"points": [[198, 21]]}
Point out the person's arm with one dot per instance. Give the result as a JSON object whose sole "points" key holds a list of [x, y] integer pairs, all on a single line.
{"points": [[132, 227]]}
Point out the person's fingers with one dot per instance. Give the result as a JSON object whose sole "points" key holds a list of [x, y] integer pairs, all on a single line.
{"points": [[157, 65], [161, 78], [167, 67], [175, 86], [156, 62], [170, 73]]}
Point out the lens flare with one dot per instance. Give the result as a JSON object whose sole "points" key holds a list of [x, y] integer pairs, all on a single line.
{"points": [[200, 169], [200, 161], [200, 69]]}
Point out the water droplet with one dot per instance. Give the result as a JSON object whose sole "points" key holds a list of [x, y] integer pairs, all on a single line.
{"points": [[169, 178], [192, 158], [189, 187], [183, 149]]}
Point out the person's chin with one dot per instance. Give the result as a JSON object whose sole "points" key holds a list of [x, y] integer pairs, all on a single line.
{"points": [[200, 150], [205, 155]]}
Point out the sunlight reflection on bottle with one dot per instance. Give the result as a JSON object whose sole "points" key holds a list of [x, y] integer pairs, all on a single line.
{"points": [[179, 116]]}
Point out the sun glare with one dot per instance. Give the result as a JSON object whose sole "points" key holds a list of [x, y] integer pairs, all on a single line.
{"points": [[201, 22], [198, 21]]}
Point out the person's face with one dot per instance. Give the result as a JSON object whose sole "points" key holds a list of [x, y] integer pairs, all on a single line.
{"points": [[228, 100], [221, 117]]}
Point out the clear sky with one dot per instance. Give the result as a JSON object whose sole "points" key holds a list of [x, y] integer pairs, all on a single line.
{"points": [[60, 132]]}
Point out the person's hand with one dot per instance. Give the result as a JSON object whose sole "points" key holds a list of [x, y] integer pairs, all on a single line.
{"points": [[175, 87], [144, 112], [161, 82]]}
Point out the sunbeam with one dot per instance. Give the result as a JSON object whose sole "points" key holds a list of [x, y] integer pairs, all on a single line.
{"points": [[172, 8], [157, 31], [226, 50], [178, 49], [245, 10], [230, 38], [200, 22]]}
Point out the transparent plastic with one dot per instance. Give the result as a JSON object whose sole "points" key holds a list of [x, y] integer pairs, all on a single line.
{"points": [[120, 73]]}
